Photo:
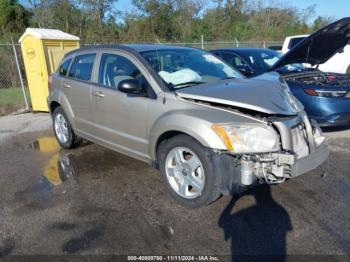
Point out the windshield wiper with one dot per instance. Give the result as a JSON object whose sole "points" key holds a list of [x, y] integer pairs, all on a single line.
{"points": [[186, 84]]}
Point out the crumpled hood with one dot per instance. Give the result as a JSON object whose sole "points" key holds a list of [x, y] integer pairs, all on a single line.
{"points": [[263, 94], [320, 46]]}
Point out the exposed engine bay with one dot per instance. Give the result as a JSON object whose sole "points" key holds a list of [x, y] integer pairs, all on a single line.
{"points": [[320, 78]]}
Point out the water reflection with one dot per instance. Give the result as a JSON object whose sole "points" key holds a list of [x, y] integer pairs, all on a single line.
{"points": [[61, 165], [45, 145]]}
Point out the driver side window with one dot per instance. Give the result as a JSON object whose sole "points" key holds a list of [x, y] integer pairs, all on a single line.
{"points": [[115, 68], [233, 60]]}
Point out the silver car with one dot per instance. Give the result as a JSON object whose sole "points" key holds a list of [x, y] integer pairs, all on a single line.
{"points": [[206, 128]]}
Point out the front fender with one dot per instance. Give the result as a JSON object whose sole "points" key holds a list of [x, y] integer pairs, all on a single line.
{"points": [[184, 122]]}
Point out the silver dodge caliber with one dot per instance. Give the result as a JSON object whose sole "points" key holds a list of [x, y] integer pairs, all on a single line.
{"points": [[206, 128]]}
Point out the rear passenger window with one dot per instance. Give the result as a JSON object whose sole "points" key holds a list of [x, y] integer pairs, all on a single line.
{"points": [[64, 67], [82, 67]]}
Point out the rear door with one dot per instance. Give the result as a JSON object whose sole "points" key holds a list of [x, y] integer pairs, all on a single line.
{"points": [[121, 118], [77, 88]]}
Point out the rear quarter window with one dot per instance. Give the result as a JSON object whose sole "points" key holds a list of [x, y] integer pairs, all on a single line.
{"points": [[82, 67], [63, 69]]}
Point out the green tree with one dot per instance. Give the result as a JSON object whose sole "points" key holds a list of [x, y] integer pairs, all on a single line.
{"points": [[13, 17]]}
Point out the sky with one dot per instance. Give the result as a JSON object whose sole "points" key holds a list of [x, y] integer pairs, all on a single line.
{"points": [[332, 8]]}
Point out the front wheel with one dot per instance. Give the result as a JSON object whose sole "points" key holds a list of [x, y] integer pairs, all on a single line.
{"points": [[63, 130], [188, 171]]}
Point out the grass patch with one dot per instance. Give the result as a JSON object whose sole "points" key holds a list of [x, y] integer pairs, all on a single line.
{"points": [[10, 100]]}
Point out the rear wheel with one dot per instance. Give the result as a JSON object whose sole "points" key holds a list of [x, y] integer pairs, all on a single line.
{"points": [[63, 130], [188, 171]]}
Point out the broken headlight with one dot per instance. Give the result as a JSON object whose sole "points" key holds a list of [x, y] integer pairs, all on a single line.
{"points": [[248, 138]]}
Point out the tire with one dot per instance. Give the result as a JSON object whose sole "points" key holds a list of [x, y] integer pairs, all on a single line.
{"points": [[348, 70], [69, 139], [211, 187]]}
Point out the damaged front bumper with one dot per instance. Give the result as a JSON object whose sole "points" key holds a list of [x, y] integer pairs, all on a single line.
{"points": [[310, 162], [303, 149], [277, 167]]}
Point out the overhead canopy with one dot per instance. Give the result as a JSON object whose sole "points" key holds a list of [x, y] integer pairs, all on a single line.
{"points": [[53, 34]]}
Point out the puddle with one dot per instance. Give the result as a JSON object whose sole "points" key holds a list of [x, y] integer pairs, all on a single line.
{"points": [[39, 194], [45, 145], [60, 166]]}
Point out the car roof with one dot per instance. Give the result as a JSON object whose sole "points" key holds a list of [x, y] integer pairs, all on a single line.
{"points": [[129, 47], [152, 47], [240, 50]]}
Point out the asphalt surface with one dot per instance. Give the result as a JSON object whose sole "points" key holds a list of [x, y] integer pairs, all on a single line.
{"points": [[101, 202]]}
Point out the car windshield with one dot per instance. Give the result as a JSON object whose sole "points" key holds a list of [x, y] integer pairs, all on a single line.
{"points": [[262, 60], [180, 68]]}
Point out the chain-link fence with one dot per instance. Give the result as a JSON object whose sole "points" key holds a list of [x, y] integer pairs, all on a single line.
{"points": [[11, 92], [208, 45]]}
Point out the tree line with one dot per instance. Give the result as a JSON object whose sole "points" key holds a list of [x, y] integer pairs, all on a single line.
{"points": [[102, 21]]}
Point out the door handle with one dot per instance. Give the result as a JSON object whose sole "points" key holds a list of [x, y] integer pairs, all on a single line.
{"points": [[66, 85], [99, 94]]}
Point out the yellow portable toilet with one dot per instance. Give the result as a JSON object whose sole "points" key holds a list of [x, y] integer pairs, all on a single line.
{"points": [[42, 51]]}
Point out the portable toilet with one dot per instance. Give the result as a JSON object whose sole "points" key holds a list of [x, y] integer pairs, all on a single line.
{"points": [[42, 51]]}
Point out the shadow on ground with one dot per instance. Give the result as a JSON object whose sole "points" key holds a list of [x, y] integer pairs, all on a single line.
{"points": [[258, 230]]}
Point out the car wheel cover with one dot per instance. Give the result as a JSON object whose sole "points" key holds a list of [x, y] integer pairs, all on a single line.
{"points": [[185, 172], [61, 128]]}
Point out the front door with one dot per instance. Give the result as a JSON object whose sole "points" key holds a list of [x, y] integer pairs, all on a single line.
{"points": [[120, 118]]}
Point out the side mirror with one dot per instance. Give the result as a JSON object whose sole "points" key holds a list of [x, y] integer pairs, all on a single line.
{"points": [[130, 86]]}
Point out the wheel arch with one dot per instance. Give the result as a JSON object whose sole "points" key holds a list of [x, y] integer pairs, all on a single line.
{"points": [[60, 99], [53, 105], [170, 133], [165, 136], [170, 125]]}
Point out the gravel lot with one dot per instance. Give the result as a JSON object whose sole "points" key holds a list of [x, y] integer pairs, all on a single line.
{"points": [[106, 203]]}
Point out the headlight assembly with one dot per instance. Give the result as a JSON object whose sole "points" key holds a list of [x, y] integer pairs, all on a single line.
{"points": [[248, 138], [327, 93]]}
